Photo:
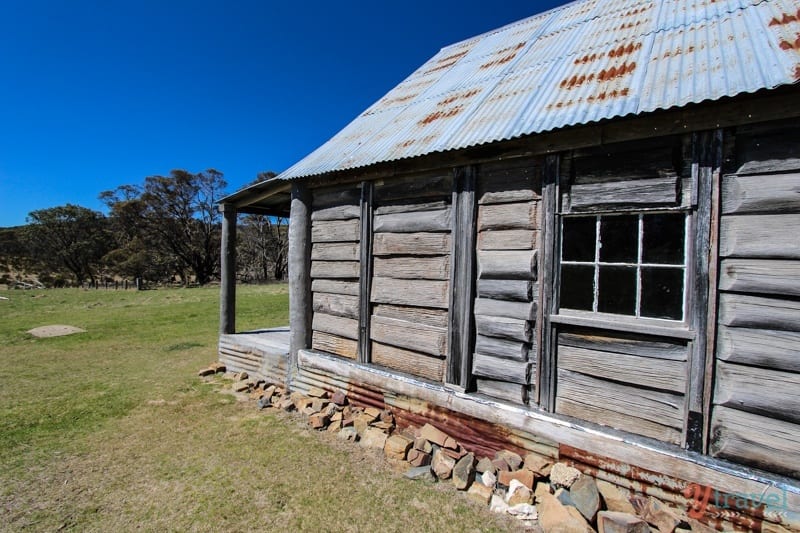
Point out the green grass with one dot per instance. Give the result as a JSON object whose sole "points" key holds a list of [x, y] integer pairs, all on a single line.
{"points": [[111, 430]]}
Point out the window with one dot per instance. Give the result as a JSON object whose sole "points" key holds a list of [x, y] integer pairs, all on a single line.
{"points": [[624, 264]]}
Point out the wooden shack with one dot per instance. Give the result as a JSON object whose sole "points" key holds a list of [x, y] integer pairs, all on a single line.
{"points": [[577, 235]]}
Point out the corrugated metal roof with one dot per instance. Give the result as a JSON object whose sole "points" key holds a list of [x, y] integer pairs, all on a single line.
{"points": [[583, 62]]}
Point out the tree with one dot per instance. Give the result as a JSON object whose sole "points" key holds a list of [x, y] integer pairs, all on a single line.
{"points": [[177, 217], [71, 237], [263, 243]]}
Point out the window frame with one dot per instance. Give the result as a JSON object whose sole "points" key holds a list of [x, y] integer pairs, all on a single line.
{"points": [[637, 317]]}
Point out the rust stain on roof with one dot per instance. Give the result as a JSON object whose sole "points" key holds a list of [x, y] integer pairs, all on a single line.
{"points": [[616, 72], [446, 62], [787, 18], [444, 109], [507, 54]]}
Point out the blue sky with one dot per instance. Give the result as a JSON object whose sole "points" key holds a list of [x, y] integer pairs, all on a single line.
{"points": [[96, 94]]}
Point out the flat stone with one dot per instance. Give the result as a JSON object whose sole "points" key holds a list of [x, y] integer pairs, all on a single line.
{"points": [[397, 447], [318, 421], [538, 464], [387, 416], [442, 465], [337, 415], [334, 426], [564, 497], [451, 444], [464, 472], [614, 498], [318, 404], [240, 386], [206, 372], [374, 412], [497, 504], [384, 426], [523, 511], [518, 493], [308, 411], [489, 479], [562, 475], [480, 493], [513, 460], [339, 398], [525, 477], [241, 376], [586, 497], [418, 457], [423, 445], [421, 473], [433, 434], [556, 518], [373, 438], [217, 367], [656, 513], [349, 434], [541, 489], [264, 402], [316, 392], [485, 465], [287, 404], [614, 522], [362, 422], [456, 453], [500, 465]]}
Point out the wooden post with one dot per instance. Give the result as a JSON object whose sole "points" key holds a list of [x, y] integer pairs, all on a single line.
{"points": [[227, 292], [365, 273], [548, 276], [462, 278], [299, 275]]}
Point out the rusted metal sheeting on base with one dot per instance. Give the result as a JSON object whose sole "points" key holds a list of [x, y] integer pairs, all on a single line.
{"points": [[357, 394], [723, 512], [262, 355]]}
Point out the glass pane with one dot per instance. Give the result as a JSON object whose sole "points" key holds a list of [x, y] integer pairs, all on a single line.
{"points": [[579, 238], [662, 293], [617, 290], [663, 238], [619, 239], [577, 287]]}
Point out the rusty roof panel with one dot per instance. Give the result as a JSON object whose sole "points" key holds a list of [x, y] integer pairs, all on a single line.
{"points": [[582, 62]]}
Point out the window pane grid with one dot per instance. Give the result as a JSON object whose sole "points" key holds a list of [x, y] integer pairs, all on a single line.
{"points": [[642, 278]]}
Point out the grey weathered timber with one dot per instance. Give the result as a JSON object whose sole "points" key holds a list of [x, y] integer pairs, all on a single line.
{"points": [[503, 327], [760, 347], [505, 348], [645, 371], [462, 279], [501, 369], [336, 212], [405, 267], [756, 440], [662, 190], [335, 196], [767, 276], [504, 182], [421, 315], [413, 336], [413, 222], [336, 325], [336, 304], [365, 272], [624, 324], [331, 286], [335, 231], [407, 206], [417, 292], [227, 290], [519, 310], [510, 392], [625, 344], [520, 215], [769, 148], [326, 342], [437, 184], [504, 264], [765, 391], [408, 361], [544, 380], [299, 261], [507, 289], [662, 407], [509, 239], [335, 251], [741, 310], [335, 269], [760, 236], [411, 244], [624, 421], [778, 193]]}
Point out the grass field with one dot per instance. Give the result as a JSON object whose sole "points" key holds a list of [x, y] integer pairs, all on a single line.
{"points": [[111, 430]]}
